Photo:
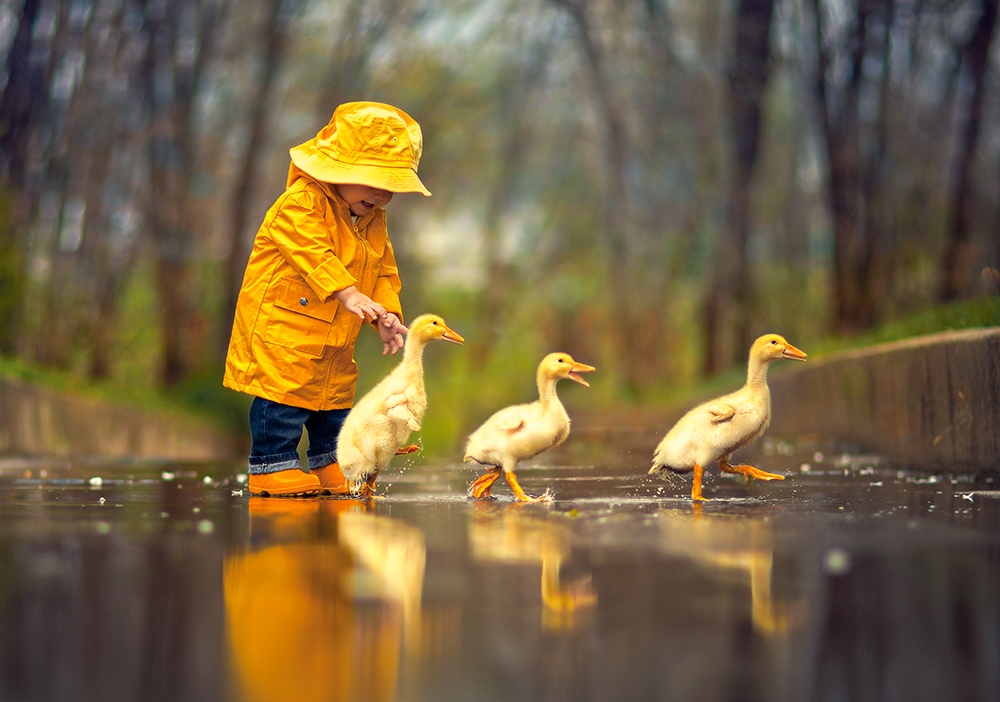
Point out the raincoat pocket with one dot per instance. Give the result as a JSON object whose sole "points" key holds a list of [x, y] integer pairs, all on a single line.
{"points": [[299, 319]]}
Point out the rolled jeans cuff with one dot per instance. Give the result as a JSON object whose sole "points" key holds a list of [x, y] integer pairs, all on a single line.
{"points": [[276, 464], [322, 460]]}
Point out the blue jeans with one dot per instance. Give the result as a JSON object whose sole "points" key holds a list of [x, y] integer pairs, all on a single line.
{"points": [[275, 431]]}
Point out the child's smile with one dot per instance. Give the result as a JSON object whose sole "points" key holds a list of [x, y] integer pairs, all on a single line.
{"points": [[362, 199]]}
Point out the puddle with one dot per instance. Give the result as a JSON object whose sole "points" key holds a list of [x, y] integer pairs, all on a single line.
{"points": [[850, 579]]}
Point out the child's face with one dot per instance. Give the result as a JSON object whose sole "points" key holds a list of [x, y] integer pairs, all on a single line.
{"points": [[362, 199]]}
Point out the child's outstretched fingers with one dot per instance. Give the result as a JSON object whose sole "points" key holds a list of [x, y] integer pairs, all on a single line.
{"points": [[391, 330], [391, 323], [393, 345], [360, 304], [369, 311]]}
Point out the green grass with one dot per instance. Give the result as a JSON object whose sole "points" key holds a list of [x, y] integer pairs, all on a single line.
{"points": [[970, 314], [195, 398], [464, 396]]}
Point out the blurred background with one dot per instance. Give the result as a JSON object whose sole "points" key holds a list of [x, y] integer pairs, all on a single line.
{"points": [[645, 184]]}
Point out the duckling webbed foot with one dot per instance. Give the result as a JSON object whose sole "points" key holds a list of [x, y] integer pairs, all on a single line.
{"points": [[367, 488], [480, 488], [521, 494], [403, 450], [748, 471]]}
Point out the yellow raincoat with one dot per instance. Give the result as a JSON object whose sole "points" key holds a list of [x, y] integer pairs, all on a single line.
{"points": [[292, 342]]}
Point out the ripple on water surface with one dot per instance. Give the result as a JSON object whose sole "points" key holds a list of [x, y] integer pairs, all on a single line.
{"points": [[850, 577]]}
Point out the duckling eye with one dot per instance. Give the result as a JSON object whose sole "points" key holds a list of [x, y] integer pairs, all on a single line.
{"points": [[435, 324], [774, 341]]}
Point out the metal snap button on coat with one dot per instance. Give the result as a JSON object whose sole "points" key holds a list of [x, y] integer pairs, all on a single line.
{"points": [[303, 301]]}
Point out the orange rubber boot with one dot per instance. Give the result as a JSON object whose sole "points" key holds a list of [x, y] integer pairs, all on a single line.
{"points": [[284, 483], [332, 480]]}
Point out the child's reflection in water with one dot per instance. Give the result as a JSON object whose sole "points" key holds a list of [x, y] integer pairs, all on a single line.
{"points": [[319, 605]]}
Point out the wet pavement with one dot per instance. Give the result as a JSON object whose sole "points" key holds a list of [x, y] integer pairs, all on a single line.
{"points": [[853, 579]]}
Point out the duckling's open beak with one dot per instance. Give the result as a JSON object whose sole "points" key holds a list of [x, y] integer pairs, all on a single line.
{"points": [[793, 353], [452, 336], [580, 368]]}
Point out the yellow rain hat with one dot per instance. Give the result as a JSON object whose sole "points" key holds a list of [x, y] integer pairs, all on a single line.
{"points": [[365, 143]]}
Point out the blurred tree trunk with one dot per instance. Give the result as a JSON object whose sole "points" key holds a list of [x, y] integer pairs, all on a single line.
{"points": [[674, 222], [24, 100], [729, 294], [837, 95], [241, 231], [75, 172], [871, 267], [11, 278], [349, 78], [102, 279], [517, 89], [109, 246], [616, 214], [53, 209], [653, 110], [180, 45], [954, 263]]}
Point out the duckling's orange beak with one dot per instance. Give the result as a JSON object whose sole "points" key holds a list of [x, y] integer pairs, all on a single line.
{"points": [[580, 368], [452, 336], [792, 353]]}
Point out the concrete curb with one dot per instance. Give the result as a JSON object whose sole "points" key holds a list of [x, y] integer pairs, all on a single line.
{"points": [[931, 402], [74, 427]]}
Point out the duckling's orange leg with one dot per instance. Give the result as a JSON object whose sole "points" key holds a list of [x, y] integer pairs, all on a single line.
{"points": [[696, 487], [403, 450], [368, 488], [749, 472], [480, 487], [520, 493]]}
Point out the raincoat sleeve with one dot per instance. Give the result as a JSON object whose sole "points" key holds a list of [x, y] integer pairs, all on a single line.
{"points": [[302, 236], [387, 285]]}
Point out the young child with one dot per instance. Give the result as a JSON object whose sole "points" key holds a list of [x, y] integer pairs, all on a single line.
{"points": [[321, 266]]}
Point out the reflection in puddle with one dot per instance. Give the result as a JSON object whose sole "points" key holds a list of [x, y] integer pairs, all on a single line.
{"points": [[324, 603], [725, 545], [508, 535], [852, 580]]}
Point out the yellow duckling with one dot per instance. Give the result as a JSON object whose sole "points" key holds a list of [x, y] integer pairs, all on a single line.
{"points": [[520, 432], [382, 420], [715, 429]]}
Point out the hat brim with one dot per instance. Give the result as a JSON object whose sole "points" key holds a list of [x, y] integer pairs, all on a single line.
{"points": [[324, 168]]}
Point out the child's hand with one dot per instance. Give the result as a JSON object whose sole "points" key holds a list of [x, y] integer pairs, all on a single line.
{"points": [[391, 330], [358, 303]]}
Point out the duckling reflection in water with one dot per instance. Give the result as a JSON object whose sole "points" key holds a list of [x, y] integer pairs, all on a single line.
{"points": [[712, 431], [725, 545], [507, 535], [295, 628], [521, 432]]}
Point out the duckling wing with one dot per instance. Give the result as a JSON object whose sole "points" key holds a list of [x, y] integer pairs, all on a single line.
{"points": [[508, 420], [720, 412], [695, 438], [394, 400], [725, 426], [516, 433], [491, 441]]}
